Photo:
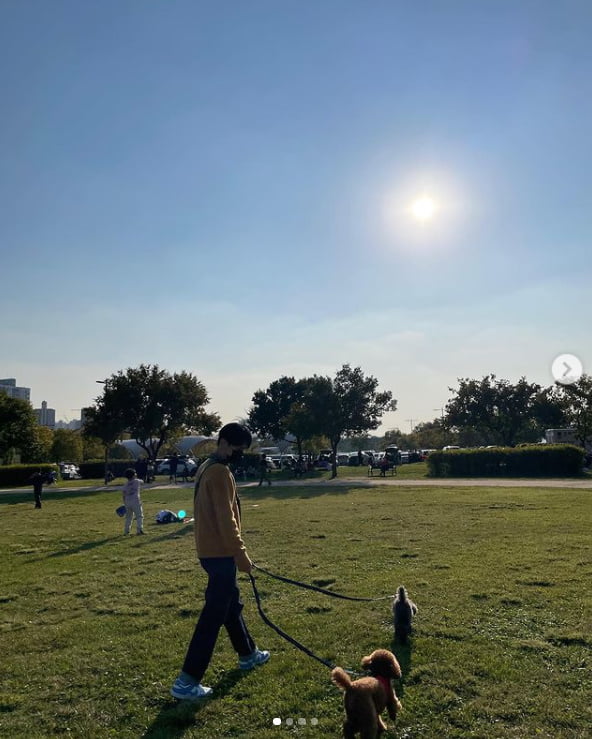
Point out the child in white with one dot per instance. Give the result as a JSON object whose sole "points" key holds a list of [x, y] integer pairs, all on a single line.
{"points": [[132, 501]]}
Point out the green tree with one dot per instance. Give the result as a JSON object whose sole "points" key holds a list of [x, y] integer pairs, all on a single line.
{"points": [[396, 437], [66, 446], [118, 451], [92, 447], [275, 411], [104, 421], [577, 399], [17, 427], [347, 405], [495, 409], [431, 435], [549, 410], [152, 406], [40, 449]]}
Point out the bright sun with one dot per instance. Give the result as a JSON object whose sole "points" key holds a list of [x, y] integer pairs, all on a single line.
{"points": [[424, 208]]}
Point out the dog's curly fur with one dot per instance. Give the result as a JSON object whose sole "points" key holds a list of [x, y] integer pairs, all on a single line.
{"points": [[365, 699], [403, 611]]}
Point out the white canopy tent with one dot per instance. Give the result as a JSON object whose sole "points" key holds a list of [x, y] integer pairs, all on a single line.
{"points": [[183, 445]]}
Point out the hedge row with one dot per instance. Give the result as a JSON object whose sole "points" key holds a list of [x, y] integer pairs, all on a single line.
{"points": [[556, 460], [15, 475]]}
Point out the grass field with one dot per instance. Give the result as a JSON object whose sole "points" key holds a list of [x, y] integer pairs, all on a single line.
{"points": [[94, 625]]}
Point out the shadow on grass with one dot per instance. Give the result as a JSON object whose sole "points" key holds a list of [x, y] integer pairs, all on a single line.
{"points": [[173, 532], [175, 717], [80, 548], [279, 492], [10, 497], [403, 654], [141, 541]]}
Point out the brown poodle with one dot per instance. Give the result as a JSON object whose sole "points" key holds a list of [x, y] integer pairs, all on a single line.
{"points": [[366, 698]]}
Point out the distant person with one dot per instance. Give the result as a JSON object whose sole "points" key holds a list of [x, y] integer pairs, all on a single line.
{"points": [[221, 552], [300, 466], [185, 473], [142, 469], [263, 470], [38, 478], [173, 464], [133, 502], [50, 477]]}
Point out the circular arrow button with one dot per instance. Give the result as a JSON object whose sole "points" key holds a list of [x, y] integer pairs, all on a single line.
{"points": [[566, 369]]}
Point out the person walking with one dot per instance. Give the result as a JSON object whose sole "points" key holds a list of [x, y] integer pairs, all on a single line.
{"points": [[132, 502], [37, 479], [141, 467], [221, 551], [263, 470], [185, 472], [300, 467], [173, 464]]}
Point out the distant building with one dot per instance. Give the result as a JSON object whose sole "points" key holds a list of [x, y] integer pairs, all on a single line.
{"points": [[45, 416], [9, 387]]}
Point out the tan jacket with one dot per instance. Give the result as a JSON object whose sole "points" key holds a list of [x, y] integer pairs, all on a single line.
{"points": [[217, 526]]}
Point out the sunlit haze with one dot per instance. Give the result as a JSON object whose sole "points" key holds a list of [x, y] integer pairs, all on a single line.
{"points": [[424, 208]]}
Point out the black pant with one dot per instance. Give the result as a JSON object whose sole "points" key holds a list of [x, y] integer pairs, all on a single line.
{"points": [[37, 494], [223, 607]]}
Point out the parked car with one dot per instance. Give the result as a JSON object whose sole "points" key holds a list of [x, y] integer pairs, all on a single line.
{"points": [[69, 471], [164, 467], [282, 461], [425, 453], [368, 454], [325, 455], [353, 459]]}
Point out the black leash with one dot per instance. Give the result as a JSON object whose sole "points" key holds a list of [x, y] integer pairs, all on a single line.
{"points": [[287, 637], [317, 589], [283, 634]]}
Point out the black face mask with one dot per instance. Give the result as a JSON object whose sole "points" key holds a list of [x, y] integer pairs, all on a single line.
{"points": [[236, 456]]}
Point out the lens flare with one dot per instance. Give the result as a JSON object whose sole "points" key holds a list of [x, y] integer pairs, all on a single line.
{"points": [[424, 208]]}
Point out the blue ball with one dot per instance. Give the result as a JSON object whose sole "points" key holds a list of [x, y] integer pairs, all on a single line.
{"points": [[181, 514]]}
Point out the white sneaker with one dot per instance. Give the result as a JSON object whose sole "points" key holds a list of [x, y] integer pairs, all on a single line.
{"points": [[189, 691], [258, 657]]}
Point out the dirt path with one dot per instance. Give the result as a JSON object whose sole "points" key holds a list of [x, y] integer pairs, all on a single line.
{"points": [[485, 482], [368, 482]]}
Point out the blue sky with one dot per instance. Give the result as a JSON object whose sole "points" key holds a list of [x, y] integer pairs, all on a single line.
{"points": [[224, 187]]}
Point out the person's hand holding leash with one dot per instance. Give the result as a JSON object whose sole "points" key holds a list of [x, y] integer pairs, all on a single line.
{"points": [[243, 562]]}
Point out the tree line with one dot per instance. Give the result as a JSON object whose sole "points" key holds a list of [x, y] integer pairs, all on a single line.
{"points": [[155, 407], [491, 411]]}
